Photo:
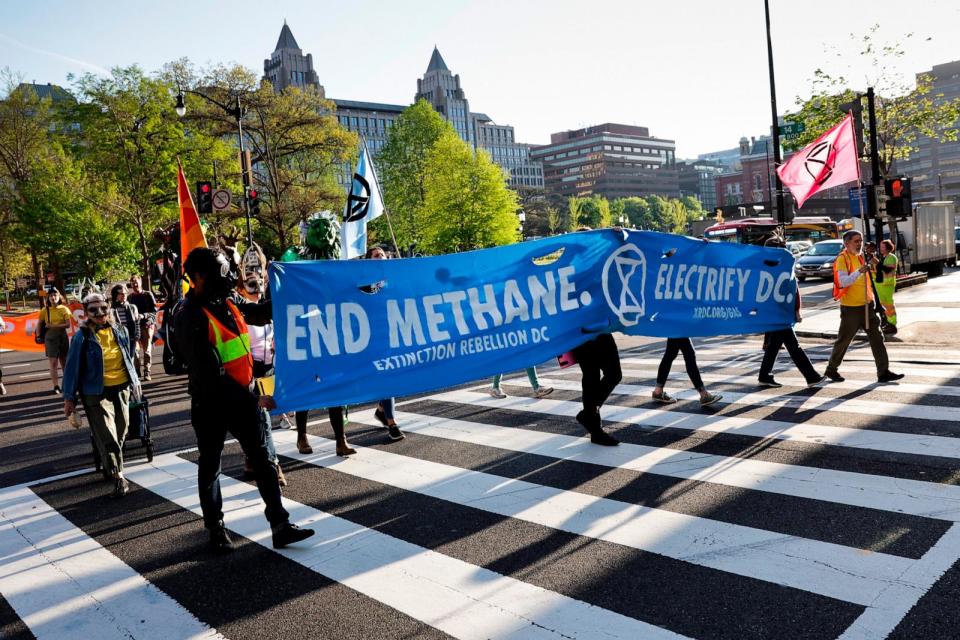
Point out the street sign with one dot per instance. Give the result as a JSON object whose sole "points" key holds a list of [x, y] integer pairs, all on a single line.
{"points": [[858, 202], [792, 129], [21, 283], [221, 199]]}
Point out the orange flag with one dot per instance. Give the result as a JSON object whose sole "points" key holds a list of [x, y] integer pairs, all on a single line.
{"points": [[191, 232]]}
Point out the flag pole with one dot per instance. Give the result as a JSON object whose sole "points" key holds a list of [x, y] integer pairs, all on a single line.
{"points": [[386, 212]]}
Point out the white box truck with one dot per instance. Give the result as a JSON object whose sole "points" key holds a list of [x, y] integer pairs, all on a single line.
{"points": [[925, 240]]}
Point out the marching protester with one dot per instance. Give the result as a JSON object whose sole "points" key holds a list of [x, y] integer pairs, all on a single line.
{"points": [[852, 287], [540, 392], [213, 340], [101, 372], [146, 305], [385, 408], [886, 283], [55, 320], [685, 346], [774, 340], [125, 315], [251, 288], [596, 357]]}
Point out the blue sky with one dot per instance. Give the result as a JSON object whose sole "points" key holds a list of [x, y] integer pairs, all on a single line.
{"points": [[690, 70]]}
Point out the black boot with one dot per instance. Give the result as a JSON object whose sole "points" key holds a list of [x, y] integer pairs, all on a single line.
{"points": [[220, 542], [287, 533]]}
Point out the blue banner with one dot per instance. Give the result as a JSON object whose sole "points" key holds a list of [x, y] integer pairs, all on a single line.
{"points": [[350, 332]]}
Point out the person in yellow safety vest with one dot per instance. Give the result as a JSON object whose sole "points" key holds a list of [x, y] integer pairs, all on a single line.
{"points": [[211, 336], [852, 286], [886, 281]]}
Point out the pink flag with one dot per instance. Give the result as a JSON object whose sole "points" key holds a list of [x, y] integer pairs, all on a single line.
{"points": [[828, 161]]}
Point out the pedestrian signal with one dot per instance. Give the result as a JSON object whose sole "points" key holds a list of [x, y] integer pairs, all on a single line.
{"points": [[204, 197], [899, 197]]}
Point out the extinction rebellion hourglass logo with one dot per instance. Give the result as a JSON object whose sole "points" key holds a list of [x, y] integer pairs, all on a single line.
{"points": [[624, 277]]}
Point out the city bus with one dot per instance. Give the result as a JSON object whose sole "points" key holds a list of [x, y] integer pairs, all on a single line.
{"points": [[754, 230]]}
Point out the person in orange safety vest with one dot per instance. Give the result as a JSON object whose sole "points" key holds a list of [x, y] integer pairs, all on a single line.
{"points": [[212, 338], [853, 288]]}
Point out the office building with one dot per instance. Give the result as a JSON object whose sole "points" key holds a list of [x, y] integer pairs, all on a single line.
{"points": [[287, 66], [612, 160]]}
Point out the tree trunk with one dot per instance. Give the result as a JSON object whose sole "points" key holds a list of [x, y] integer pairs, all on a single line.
{"points": [[144, 254], [37, 275]]}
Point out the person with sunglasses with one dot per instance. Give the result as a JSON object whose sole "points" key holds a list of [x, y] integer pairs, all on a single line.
{"points": [[100, 371]]}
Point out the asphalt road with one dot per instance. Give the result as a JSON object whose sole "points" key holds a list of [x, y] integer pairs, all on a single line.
{"points": [[792, 512]]}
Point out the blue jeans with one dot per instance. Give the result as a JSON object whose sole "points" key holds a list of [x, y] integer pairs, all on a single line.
{"points": [[531, 375]]}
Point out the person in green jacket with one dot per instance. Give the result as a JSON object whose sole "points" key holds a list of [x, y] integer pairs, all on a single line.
{"points": [[886, 282]]}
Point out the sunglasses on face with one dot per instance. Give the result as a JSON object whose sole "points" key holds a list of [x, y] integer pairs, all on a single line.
{"points": [[97, 310]]}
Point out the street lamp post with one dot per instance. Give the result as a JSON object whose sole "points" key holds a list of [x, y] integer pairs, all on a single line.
{"points": [[237, 114], [522, 216]]}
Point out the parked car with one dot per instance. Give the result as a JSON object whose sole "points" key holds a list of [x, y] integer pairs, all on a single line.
{"points": [[818, 261], [799, 247]]}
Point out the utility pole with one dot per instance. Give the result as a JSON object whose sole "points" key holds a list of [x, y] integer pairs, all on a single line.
{"points": [[781, 213], [877, 183]]}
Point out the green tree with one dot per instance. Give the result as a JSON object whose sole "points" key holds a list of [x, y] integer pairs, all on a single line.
{"points": [[542, 219], [129, 135], [467, 200], [402, 169], [594, 212], [637, 211], [297, 146], [904, 112]]}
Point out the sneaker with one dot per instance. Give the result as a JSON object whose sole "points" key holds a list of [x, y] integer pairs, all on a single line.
{"points": [[543, 392], [816, 383], [889, 376], [770, 383], [709, 399], [834, 376], [57, 391], [3, 390], [663, 398], [120, 488], [288, 533], [497, 393], [286, 422], [602, 438], [395, 433], [220, 542], [147, 377]]}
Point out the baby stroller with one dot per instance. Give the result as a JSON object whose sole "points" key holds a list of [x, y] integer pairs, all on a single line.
{"points": [[139, 427]]}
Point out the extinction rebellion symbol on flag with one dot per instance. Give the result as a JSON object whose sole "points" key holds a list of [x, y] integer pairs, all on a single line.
{"points": [[819, 162], [358, 204]]}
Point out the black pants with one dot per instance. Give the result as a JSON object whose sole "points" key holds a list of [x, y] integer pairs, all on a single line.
{"points": [[336, 421], [212, 419], [597, 356], [773, 340], [675, 346]]}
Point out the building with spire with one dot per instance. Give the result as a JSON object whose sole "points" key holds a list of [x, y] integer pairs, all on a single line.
{"points": [[288, 66], [438, 86]]}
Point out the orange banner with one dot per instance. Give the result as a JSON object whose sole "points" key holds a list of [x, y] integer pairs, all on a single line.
{"points": [[17, 333]]}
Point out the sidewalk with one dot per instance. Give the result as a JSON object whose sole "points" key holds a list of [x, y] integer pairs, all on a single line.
{"points": [[928, 313]]}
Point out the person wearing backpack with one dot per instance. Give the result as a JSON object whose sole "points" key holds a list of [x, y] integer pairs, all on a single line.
{"points": [[213, 340], [100, 372]]}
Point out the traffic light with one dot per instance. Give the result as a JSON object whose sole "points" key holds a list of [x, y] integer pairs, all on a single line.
{"points": [[204, 197], [899, 200], [253, 199]]}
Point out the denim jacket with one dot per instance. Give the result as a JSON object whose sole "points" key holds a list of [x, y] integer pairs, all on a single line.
{"points": [[83, 372]]}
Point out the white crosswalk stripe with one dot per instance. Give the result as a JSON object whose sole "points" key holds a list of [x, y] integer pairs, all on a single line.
{"points": [[62, 582]]}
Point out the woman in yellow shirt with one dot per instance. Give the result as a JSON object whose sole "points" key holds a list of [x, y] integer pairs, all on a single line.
{"points": [[100, 371], [57, 317]]}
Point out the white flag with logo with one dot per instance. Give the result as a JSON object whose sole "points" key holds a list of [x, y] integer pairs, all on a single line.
{"points": [[364, 203]]}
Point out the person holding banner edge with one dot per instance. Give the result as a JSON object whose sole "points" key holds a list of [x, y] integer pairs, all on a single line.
{"points": [[214, 342]]}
